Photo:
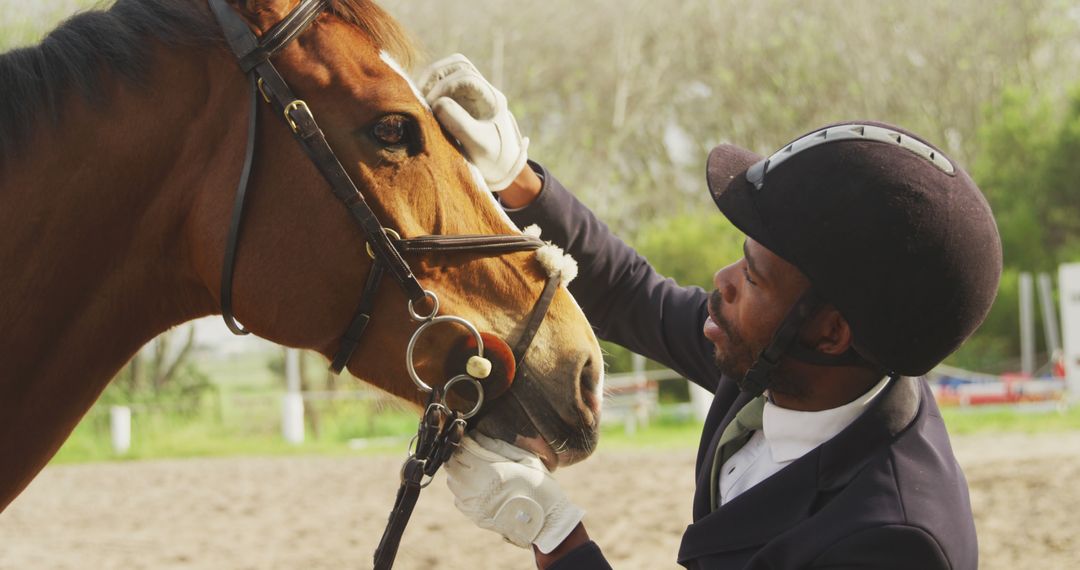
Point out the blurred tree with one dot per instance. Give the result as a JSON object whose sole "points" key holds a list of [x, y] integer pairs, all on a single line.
{"points": [[24, 23], [1029, 171], [691, 247], [1062, 185], [1017, 139], [162, 371], [623, 99]]}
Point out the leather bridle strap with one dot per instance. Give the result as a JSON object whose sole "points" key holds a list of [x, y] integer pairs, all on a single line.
{"points": [[266, 81], [487, 244], [536, 318], [412, 474], [351, 339], [234, 223], [250, 51], [282, 33], [313, 142]]}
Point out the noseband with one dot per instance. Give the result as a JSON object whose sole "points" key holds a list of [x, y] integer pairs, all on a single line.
{"points": [[441, 428]]}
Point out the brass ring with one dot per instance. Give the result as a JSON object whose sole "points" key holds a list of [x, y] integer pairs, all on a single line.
{"points": [[389, 233]]}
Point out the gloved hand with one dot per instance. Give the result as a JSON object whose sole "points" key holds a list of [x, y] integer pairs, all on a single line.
{"points": [[508, 490], [476, 114]]}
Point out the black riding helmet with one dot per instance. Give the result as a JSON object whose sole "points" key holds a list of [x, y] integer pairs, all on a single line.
{"points": [[887, 229]]}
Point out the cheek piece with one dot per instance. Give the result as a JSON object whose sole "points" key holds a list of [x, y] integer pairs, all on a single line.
{"points": [[759, 376]]}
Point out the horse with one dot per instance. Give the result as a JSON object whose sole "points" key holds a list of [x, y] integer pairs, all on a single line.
{"points": [[122, 137]]}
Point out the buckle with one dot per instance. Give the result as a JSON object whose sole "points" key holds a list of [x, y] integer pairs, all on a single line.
{"points": [[295, 106]]}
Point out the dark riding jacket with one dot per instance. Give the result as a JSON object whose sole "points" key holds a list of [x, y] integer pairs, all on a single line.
{"points": [[886, 492]]}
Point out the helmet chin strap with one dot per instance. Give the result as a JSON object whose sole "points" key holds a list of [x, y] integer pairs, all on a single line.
{"points": [[783, 343]]}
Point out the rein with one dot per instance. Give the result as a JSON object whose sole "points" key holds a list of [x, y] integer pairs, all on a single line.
{"points": [[441, 428]]}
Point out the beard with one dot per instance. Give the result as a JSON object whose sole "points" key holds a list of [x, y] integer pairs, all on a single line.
{"points": [[735, 359]]}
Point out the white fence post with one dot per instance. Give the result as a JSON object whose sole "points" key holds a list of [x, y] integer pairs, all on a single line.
{"points": [[120, 428], [1069, 285], [1050, 320], [1027, 324]]}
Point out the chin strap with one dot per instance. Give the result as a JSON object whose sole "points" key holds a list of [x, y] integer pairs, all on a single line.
{"points": [[783, 343]]}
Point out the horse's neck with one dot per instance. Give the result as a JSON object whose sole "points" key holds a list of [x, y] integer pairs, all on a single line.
{"points": [[95, 261]]}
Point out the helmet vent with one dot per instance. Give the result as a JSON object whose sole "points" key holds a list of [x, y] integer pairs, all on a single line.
{"points": [[756, 174]]}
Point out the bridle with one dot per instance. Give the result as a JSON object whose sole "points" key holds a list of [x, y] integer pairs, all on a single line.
{"points": [[441, 428]]}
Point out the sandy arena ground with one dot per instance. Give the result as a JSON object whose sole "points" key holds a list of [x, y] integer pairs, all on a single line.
{"points": [[329, 512]]}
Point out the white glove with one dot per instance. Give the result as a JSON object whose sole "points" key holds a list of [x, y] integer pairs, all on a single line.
{"points": [[507, 489], [476, 114]]}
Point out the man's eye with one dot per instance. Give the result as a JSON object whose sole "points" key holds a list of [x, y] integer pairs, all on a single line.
{"points": [[746, 273], [391, 130]]}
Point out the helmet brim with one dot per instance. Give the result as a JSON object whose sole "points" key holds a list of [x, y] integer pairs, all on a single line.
{"points": [[733, 193]]}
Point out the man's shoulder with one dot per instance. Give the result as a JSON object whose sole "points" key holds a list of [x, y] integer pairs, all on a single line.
{"points": [[913, 461], [890, 488], [914, 496]]}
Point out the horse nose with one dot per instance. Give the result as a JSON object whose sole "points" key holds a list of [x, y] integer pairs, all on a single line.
{"points": [[590, 380]]}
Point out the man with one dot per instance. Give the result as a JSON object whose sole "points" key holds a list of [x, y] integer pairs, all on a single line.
{"points": [[869, 257]]}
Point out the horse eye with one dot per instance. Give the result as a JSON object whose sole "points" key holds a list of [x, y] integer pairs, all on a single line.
{"points": [[391, 130]]}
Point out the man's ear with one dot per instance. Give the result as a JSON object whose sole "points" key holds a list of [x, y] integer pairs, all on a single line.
{"points": [[828, 332]]}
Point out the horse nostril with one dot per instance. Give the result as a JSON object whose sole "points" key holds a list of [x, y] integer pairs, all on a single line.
{"points": [[589, 388]]}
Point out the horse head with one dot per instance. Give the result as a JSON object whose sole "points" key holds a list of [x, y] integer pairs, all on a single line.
{"points": [[302, 261]]}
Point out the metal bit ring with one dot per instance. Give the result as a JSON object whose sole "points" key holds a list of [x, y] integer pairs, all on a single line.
{"points": [[479, 393], [420, 330], [429, 316]]}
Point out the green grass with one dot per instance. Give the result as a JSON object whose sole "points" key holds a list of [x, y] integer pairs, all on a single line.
{"points": [[660, 435], [676, 433], [193, 440], [1001, 419], [217, 431]]}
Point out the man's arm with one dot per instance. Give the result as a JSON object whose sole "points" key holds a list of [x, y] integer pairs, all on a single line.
{"points": [[625, 299], [577, 552]]}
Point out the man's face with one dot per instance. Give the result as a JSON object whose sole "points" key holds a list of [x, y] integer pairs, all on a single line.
{"points": [[751, 297]]}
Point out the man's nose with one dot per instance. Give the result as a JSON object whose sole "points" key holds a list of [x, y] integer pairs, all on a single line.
{"points": [[722, 280]]}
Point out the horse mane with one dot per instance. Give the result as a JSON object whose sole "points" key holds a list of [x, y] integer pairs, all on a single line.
{"points": [[36, 79], [382, 28]]}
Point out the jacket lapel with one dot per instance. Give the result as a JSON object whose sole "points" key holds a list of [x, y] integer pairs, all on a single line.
{"points": [[721, 414], [789, 497], [756, 516]]}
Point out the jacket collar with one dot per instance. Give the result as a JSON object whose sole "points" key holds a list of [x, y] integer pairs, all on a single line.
{"points": [[845, 455], [788, 497]]}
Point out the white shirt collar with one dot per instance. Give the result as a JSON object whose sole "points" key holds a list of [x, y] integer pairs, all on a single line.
{"points": [[791, 433]]}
